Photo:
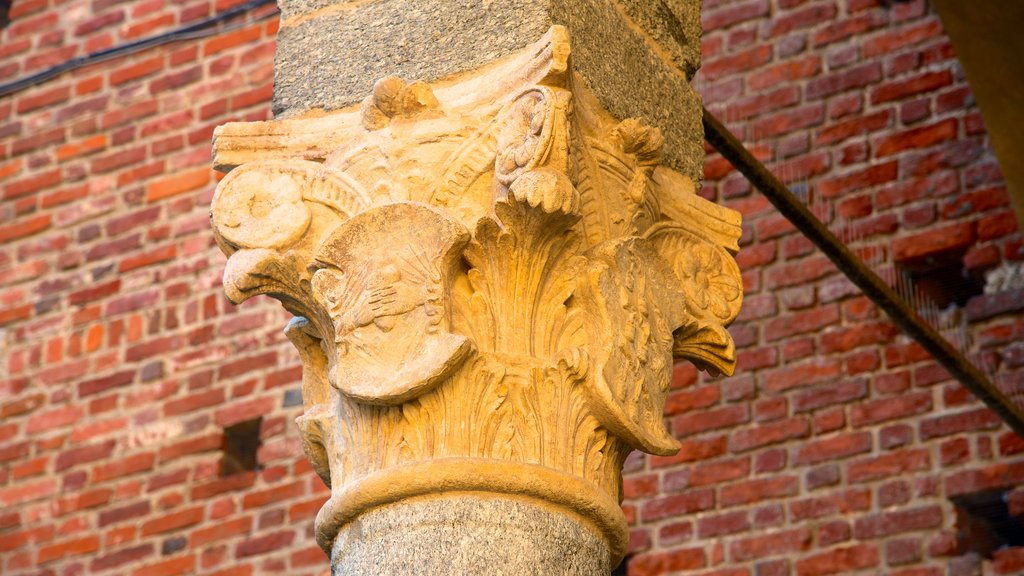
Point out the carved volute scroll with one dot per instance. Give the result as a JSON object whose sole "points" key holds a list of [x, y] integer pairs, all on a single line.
{"points": [[491, 277]]}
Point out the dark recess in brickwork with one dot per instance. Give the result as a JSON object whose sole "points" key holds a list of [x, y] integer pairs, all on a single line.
{"points": [[240, 446], [940, 276], [947, 283], [984, 523]]}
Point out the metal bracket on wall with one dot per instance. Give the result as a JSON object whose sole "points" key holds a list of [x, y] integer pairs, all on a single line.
{"points": [[898, 309]]}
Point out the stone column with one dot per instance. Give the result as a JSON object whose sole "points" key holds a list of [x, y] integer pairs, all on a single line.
{"points": [[492, 256]]}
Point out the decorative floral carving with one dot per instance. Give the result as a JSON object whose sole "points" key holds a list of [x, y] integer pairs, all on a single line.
{"points": [[709, 287], [271, 215], [711, 282], [496, 284], [267, 216], [525, 136]]}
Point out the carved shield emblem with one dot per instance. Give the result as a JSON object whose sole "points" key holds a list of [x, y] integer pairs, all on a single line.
{"points": [[384, 278]]}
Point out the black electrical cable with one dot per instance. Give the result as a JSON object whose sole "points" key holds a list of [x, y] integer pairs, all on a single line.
{"points": [[183, 33], [901, 313]]}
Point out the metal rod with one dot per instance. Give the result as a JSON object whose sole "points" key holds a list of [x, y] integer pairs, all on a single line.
{"points": [[863, 277]]}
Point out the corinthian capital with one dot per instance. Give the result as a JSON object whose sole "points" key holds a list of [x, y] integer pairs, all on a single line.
{"points": [[490, 277]]}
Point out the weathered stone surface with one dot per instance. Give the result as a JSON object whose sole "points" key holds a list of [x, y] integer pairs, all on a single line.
{"points": [[305, 8], [642, 73], [468, 534], [632, 79], [491, 275], [674, 24], [331, 61]]}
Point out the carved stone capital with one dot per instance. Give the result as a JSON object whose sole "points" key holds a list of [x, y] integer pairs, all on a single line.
{"points": [[490, 277]]}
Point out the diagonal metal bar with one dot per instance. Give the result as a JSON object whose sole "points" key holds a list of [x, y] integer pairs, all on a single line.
{"points": [[860, 274]]}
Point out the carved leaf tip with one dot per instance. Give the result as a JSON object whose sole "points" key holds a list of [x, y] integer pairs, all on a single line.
{"points": [[393, 97], [546, 189], [646, 142]]}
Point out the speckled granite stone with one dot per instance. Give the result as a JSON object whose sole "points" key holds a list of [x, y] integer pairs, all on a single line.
{"points": [[636, 55], [468, 534], [332, 61], [631, 80], [674, 24]]}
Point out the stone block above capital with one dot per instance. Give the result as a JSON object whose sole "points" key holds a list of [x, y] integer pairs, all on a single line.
{"points": [[636, 55]]}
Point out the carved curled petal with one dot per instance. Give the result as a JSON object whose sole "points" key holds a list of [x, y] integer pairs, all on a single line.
{"points": [[709, 346], [631, 304], [392, 97], [546, 189], [418, 97], [250, 272], [387, 94], [506, 243], [487, 232], [637, 138], [574, 362]]}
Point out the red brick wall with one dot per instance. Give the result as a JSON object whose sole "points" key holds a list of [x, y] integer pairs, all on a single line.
{"points": [[121, 360], [837, 444]]}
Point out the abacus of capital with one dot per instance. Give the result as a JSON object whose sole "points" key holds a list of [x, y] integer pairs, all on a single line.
{"points": [[490, 276]]}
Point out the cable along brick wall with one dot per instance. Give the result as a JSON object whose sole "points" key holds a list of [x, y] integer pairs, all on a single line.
{"points": [[838, 447]]}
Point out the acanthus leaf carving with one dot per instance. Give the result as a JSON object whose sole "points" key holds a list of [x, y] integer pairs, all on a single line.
{"points": [[493, 274], [633, 306], [317, 423], [523, 269]]}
